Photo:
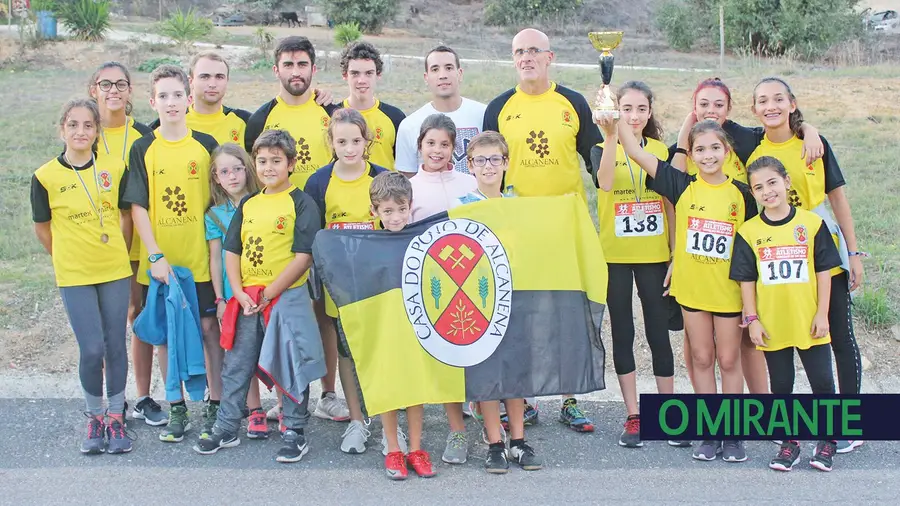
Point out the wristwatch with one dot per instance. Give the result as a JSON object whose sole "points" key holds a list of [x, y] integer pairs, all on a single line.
{"points": [[155, 257]]}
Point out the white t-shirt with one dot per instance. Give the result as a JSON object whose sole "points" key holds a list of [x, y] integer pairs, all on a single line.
{"points": [[468, 120]]}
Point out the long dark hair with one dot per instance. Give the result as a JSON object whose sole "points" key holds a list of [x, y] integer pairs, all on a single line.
{"points": [[652, 129], [795, 120], [113, 65]]}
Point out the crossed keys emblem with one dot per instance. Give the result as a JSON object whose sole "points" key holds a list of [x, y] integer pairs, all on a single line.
{"points": [[465, 253]]}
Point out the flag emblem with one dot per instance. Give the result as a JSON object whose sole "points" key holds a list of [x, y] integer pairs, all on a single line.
{"points": [[458, 291]]}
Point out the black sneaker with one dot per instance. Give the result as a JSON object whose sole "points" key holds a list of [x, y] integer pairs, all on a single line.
{"points": [[631, 436], [679, 443], [733, 451], [823, 459], [496, 462], [294, 447], [787, 457], [150, 412], [215, 441], [210, 415], [524, 456], [708, 450]]}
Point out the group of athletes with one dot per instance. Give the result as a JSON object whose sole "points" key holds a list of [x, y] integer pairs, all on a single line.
{"points": [[725, 233]]}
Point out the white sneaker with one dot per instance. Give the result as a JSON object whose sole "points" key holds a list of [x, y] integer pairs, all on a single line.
{"points": [[332, 407], [355, 437], [273, 414], [401, 440]]}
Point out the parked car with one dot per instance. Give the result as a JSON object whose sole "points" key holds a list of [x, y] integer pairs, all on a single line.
{"points": [[236, 19], [884, 21]]}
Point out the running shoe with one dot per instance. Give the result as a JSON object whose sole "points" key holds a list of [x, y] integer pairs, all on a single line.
{"points": [[294, 447], [848, 446], [733, 451], [150, 412], [787, 457], [210, 415], [679, 443], [216, 441], [523, 454], [708, 450], [457, 449], [395, 466], [256, 425], [823, 458], [179, 423], [420, 462], [95, 442], [401, 441], [496, 461], [571, 416], [354, 439], [331, 407], [117, 440], [631, 436], [530, 416]]}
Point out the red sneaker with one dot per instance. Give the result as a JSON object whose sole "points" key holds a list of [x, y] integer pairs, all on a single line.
{"points": [[256, 425], [420, 462], [395, 466]]}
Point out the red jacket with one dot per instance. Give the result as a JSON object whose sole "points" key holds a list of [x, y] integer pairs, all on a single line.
{"points": [[233, 309]]}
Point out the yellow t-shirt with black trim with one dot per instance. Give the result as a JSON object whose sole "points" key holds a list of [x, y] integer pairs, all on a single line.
{"points": [[307, 123], [344, 205], [116, 143], [226, 125], [626, 239], [810, 183], [170, 179], [268, 230], [546, 134], [80, 257], [783, 257], [707, 218], [383, 121]]}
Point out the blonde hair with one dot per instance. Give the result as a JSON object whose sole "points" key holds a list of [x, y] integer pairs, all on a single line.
{"points": [[217, 195], [350, 117], [390, 186], [488, 138], [209, 55]]}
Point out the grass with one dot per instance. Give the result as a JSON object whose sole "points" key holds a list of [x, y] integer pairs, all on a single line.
{"points": [[856, 109]]}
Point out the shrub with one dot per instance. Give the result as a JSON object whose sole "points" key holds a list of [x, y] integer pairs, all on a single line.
{"points": [[151, 64], [85, 19], [521, 12], [185, 28], [264, 40], [676, 21], [346, 34], [369, 15]]}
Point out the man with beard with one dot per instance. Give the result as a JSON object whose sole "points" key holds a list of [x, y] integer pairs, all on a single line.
{"points": [[295, 109]]}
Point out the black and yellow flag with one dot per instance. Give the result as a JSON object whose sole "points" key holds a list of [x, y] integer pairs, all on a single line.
{"points": [[497, 299]]}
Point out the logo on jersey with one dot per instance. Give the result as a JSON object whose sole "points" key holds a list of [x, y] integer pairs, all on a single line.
{"points": [[510, 117], [457, 290], [65, 188], [303, 155], [379, 133], [732, 209], [104, 180], [174, 199], [192, 168], [253, 250], [567, 116], [538, 143], [281, 224], [107, 207], [325, 120], [800, 234], [234, 135], [794, 198]]}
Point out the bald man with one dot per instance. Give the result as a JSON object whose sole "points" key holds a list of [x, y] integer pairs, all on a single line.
{"points": [[548, 127]]}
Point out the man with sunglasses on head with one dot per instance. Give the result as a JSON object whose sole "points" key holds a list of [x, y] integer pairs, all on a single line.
{"points": [[547, 127]]}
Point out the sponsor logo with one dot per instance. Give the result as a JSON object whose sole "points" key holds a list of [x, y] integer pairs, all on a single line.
{"points": [[253, 250], [174, 200], [538, 143], [303, 155], [457, 289]]}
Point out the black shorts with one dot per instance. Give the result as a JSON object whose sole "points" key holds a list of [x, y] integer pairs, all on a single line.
{"points": [[206, 298], [720, 315]]}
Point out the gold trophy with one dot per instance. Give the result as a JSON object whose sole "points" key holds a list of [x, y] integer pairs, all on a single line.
{"points": [[605, 42]]}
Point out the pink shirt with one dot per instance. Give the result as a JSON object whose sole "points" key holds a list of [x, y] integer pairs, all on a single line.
{"points": [[435, 192]]}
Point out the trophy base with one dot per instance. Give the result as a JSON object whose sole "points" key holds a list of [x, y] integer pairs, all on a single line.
{"points": [[601, 113]]}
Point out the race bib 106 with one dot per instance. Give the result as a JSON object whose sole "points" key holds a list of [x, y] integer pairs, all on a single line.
{"points": [[709, 238], [639, 219], [784, 264]]}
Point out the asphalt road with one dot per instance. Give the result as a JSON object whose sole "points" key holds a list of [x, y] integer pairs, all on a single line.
{"points": [[41, 465]]}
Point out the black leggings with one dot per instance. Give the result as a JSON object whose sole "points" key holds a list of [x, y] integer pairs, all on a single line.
{"points": [[843, 340], [817, 362], [649, 279]]}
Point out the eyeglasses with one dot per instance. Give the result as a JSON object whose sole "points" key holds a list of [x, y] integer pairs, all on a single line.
{"points": [[225, 172], [106, 85], [481, 161], [531, 51]]}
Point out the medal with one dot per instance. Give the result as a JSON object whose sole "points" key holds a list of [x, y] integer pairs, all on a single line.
{"points": [[637, 186], [104, 238], [639, 214]]}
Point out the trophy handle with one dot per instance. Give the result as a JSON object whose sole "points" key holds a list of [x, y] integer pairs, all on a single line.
{"points": [[606, 67]]}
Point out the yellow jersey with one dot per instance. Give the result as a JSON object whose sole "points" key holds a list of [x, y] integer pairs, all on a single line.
{"points": [[226, 125], [707, 218], [782, 258], [307, 123], [268, 230], [546, 134], [632, 217], [170, 179], [59, 194], [383, 121]]}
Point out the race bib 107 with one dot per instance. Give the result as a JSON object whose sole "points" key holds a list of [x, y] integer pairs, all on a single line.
{"points": [[784, 264], [709, 238]]}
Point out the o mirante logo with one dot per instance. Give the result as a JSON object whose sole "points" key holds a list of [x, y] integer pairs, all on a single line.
{"points": [[457, 288]]}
